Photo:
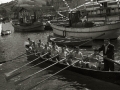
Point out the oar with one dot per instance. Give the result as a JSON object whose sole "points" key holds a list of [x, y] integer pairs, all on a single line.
{"points": [[12, 59], [51, 75], [92, 39], [17, 73], [19, 81], [11, 74], [110, 60], [17, 57]]}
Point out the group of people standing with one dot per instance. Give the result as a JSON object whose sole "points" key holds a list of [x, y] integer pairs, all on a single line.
{"points": [[72, 55]]}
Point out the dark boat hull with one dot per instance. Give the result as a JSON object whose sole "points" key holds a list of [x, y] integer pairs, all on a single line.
{"points": [[30, 28], [109, 76], [70, 42]]}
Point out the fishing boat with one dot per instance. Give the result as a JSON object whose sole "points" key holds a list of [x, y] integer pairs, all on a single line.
{"points": [[109, 76], [97, 18], [27, 19], [72, 42]]}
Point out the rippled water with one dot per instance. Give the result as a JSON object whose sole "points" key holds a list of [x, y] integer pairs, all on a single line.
{"points": [[12, 46]]}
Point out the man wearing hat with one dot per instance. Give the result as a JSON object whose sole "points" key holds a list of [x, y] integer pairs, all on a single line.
{"points": [[108, 52]]}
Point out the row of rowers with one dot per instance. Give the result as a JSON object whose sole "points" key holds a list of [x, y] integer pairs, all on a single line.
{"points": [[63, 52]]}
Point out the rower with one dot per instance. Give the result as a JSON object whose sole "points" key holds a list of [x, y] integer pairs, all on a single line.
{"points": [[30, 42], [41, 43], [54, 52], [70, 57], [78, 56], [40, 48], [28, 51], [62, 55], [94, 61], [34, 47]]}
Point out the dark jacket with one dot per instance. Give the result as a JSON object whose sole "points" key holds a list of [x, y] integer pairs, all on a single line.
{"points": [[109, 52]]}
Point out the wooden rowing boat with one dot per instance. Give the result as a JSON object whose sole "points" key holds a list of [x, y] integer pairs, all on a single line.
{"points": [[70, 41], [109, 76]]}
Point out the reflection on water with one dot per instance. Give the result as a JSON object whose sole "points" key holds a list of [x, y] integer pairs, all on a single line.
{"points": [[13, 45]]}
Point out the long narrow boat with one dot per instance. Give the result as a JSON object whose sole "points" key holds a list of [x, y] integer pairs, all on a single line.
{"points": [[72, 42], [109, 76]]}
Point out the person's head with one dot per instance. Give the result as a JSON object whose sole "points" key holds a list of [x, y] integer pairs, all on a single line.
{"points": [[28, 39], [106, 41]]}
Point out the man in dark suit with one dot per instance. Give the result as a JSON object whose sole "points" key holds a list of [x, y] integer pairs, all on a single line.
{"points": [[108, 51]]}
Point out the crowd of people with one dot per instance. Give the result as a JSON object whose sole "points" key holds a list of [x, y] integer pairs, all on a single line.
{"points": [[69, 55]]}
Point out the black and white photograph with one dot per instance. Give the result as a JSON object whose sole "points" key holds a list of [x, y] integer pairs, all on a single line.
{"points": [[59, 44]]}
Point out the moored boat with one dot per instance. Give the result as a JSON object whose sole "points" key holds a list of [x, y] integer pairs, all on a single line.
{"points": [[109, 76], [91, 21], [27, 19], [72, 42], [38, 26]]}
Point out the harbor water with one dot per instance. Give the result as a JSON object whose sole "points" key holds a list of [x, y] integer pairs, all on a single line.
{"points": [[12, 46]]}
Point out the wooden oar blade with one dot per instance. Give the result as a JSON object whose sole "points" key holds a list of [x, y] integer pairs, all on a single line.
{"points": [[10, 75]]}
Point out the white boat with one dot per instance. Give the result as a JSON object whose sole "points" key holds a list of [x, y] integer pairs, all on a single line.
{"points": [[112, 31], [97, 21]]}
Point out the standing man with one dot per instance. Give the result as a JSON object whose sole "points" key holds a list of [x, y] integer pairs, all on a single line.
{"points": [[108, 52]]}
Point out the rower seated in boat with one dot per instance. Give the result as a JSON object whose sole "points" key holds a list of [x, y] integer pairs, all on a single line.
{"points": [[41, 43], [53, 53], [34, 47], [40, 49], [28, 51], [62, 55], [70, 57], [78, 56], [30, 42], [94, 62]]}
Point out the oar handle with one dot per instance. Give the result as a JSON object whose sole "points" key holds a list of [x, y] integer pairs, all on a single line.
{"points": [[37, 64], [12, 74], [51, 76], [19, 81], [111, 60]]}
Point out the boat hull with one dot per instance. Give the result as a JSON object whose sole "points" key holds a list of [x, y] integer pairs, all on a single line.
{"points": [[72, 42], [31, 28], [109, 76], [112, 31]]}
